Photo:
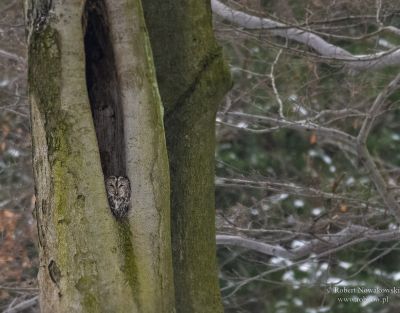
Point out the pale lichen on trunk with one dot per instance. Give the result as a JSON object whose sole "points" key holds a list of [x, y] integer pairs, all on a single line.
{"points": [[89, 262]]}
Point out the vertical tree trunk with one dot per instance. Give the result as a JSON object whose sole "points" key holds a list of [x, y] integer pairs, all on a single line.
{"points": [[89, 261], [192, 78]]}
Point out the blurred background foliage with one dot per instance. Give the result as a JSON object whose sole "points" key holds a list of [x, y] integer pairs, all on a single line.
{"points": [[306, 85], [18, 253]]}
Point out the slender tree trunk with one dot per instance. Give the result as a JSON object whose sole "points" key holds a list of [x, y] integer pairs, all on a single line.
{"points": [[89, 261], [193, 78]]}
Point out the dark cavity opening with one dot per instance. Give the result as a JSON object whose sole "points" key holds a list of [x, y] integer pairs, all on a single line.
{"points": [[103, 88]]}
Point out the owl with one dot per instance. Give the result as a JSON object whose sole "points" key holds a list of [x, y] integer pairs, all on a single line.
{"points": [[118, 194]]}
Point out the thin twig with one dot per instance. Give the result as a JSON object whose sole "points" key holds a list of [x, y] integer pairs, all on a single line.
{"points": [[369, 262], [23, 305], [12, 56], [376, 109], [278, 98], [19, 289], [378, 12]]}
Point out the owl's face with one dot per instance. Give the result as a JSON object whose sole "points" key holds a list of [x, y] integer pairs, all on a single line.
{"points": [[118, 186]]}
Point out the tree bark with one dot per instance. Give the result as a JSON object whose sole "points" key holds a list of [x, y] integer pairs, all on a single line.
{"points": [[89, 261], [192, 78]]}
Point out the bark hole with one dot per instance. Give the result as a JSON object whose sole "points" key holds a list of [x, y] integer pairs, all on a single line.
{"points": [[103, 88], [54, 271]]}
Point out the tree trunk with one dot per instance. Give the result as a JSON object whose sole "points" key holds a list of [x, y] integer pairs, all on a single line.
{"points": [[90, 261], [192, 78]]}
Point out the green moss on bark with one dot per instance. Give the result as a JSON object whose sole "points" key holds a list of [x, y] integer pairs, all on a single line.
{"points": [[79, 231], [129, 263], [193, 78], [102, 265], [45, 72], [191, 145], [182, 39]]}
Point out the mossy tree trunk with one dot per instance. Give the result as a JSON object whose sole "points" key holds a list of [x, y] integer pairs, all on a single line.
{"points": [[95, 113], [192, 78], [92, 85]]}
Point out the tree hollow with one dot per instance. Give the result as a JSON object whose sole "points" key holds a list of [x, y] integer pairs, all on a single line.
{"points": [[103, 88]]}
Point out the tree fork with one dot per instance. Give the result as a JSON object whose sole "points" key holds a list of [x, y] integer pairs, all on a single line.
{"points": [[89, 262]]}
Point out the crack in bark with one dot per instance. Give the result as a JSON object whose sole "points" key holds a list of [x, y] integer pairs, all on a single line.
{"points": [[206, 65]]}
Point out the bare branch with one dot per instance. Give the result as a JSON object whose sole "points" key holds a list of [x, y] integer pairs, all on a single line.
{"points": [[393, 29], [303, 125], [289, 188], [337, 114], [376, 109], [261, 247], [21, 289], [384, 236], [329, 243], [23, 305], [358, 62], [378, 12], [251, 130], [379, 256], [364, 155], [12, 56], [380, 184]]}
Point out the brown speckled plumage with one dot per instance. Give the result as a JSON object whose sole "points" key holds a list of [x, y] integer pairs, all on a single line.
{"points": [[119, 195]]}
